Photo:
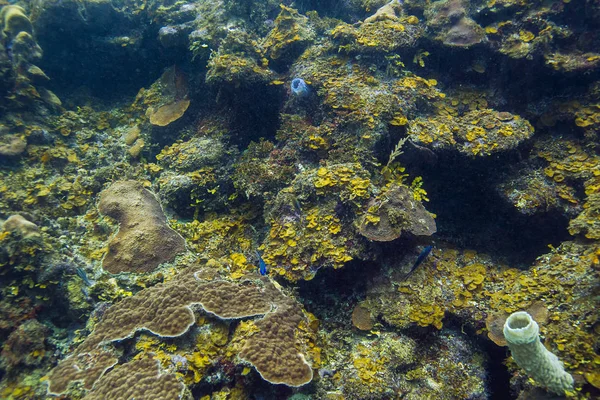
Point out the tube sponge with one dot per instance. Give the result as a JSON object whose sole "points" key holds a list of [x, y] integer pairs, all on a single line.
{"points": [[299, 87], [522, 334]]}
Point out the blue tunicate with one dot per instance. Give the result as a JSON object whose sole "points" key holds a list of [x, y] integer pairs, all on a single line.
{"points": [[299, 87]]}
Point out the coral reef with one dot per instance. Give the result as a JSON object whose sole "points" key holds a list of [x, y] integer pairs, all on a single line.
{"points": [[144, 239], [270, 350], [28, 80], [215, 168], [475, 288], [476, 133], [25, 345], [290, 35]]}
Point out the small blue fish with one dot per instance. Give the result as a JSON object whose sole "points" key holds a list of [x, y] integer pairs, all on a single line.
{"points": [[262, 267], [81, 274], [419, 261]]}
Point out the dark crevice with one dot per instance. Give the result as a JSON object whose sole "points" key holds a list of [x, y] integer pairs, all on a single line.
{"points": [[471, 214]]}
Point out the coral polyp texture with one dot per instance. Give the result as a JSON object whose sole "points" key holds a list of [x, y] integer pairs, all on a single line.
{"points": [[137, 379], [144, 239], [272, 349], [165, 310]]}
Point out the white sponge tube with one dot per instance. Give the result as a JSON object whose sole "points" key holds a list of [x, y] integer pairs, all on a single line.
{"points": [[523, 336]]}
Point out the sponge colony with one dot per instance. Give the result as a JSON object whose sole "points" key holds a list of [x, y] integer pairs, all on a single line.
{"points": [[144, 239]]}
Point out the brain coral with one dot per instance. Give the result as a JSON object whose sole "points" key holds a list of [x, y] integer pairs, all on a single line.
{"points": [[144, 239], [165, 310]]}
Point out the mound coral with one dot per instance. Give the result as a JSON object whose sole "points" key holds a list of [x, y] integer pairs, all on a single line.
{"points": [[144, 239], [21, 226]]}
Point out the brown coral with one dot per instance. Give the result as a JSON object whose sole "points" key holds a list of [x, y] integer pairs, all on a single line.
{"points": [[165, 310], [21, 226], [272, 350], [144, 239], [168, 113], [12, 145], [138, 379], [465, 33], [361, 318], [81, 366], [395, 212]]}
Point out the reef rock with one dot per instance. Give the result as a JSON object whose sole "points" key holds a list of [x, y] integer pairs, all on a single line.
{"points": [[144, 239], [11, 146], [14, 21], [25, 345], [396, 211], [21, 226]]}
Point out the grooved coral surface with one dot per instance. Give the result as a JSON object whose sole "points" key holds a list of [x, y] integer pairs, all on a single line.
{"points": [[81, 366], [139, 379], [165, 310], [144, 239], [272, 350]]}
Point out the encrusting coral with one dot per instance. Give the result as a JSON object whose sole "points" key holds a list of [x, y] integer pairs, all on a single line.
{"points": [[165, 310], [395, 211], [144, 239], [137, 379]]}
